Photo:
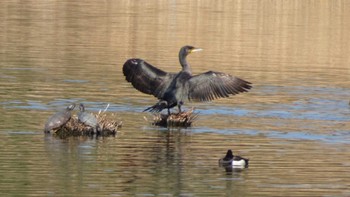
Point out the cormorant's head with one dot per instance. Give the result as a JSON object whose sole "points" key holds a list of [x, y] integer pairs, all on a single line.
{"points": [[184, 51]]}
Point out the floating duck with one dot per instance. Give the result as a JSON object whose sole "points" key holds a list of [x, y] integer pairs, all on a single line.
{"points": [[233, 160]]}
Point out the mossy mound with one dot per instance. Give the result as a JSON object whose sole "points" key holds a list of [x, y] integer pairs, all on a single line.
{"points": [[183, 119], [107, 123]]}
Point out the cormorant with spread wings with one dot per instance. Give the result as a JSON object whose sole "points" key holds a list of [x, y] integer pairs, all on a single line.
{"points": [[173, 89]]}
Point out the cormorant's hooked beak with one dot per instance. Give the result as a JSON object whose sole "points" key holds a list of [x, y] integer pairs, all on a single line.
{"points": [[195, 50]]}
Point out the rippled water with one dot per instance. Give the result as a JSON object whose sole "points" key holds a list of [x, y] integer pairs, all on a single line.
{"points": [[293, 125]]}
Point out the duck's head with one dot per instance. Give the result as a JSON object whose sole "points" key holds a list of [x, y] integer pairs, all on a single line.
{"points": [[229, 155]]}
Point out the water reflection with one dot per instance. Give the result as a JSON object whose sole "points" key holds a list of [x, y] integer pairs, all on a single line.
{"points": [[232, 170]]}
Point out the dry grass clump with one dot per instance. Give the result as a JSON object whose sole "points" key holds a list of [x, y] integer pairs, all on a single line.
{"points": [[108, 125], [183, 119]]}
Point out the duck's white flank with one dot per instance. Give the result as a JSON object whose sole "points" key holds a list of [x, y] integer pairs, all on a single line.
{"points": [[238, 163]]}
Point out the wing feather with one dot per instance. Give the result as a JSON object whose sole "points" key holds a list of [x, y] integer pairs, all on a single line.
{"points": [[147, 78], [211, 85]]}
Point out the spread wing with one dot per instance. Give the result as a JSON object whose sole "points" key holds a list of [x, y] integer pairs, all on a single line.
{"points": [[147, 78], [211, 85]]}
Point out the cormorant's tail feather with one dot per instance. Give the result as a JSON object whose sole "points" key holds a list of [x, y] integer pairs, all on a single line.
{"points": [[158, 107]]}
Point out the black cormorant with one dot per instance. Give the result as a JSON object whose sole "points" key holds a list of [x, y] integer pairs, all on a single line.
{"points": [[175, 88]]}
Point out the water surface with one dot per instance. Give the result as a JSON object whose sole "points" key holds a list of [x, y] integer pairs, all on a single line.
{"points": [[293, 125]]}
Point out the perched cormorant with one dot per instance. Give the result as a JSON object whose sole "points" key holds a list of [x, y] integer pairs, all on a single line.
{"points": [[173, 89]]}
